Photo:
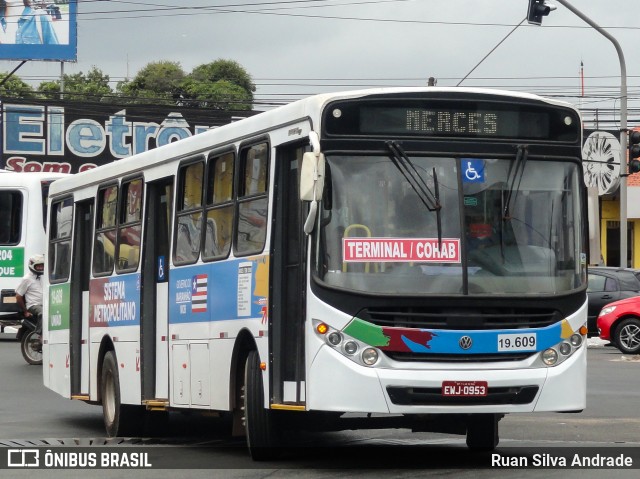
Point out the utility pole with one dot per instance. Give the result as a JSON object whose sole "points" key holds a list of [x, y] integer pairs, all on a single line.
{"points": [[539, 9], [4, 80], [61, 80], [623, 130]]}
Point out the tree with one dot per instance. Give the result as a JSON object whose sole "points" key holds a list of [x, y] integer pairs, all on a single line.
{"points": [[228, 70], [14, 87], [157, 81], [94, 86], [221, 95], [222, 84]]}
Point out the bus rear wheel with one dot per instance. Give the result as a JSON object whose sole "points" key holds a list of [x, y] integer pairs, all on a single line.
{"points": [[482, 432], [119, 419], [259, 422]]}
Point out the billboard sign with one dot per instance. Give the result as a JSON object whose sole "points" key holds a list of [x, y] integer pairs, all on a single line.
{"points": [[38, 30], [69, 137], [601, 160]]}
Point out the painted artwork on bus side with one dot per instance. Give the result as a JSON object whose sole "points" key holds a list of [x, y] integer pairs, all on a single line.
{"points": [[115, 301], [59, 306], [236, 289]]}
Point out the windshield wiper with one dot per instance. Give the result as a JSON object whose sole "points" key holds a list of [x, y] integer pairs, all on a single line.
{"points": [[430, 199], [516, 172]]}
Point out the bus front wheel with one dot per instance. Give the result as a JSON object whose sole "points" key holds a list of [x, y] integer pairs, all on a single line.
{"points": [[259, 422], [119, 419], [482, 432]]}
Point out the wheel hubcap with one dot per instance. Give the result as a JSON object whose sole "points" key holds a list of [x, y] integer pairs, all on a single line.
{"points": [[630, 337], [109, 400], [34, 347]]}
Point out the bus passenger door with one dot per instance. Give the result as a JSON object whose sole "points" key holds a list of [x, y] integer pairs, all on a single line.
{"points": [[287, 315], [79, 314], [154, 327]]}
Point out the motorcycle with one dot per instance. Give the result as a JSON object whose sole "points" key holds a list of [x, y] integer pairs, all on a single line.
{"points": [[30, 338]]}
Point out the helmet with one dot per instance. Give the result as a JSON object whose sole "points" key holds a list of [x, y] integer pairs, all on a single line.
{"points": [[36, 264]]}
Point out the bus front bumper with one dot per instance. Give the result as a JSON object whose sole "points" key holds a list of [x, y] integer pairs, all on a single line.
{"points": [[336, 383]]}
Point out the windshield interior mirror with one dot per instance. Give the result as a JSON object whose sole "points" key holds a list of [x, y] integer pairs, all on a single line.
{"points": [[311, 177]]}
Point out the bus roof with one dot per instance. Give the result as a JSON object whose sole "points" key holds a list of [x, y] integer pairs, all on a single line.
{"points": [[251, 127], [23, 179]]}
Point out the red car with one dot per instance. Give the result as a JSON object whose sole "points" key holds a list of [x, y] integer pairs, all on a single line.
{"points": [[619, 322]]}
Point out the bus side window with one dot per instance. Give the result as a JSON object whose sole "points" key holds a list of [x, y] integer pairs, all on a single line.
{"points": [[189, 215], [219, 219], [10, 217], [253, 201], [60, 240], [130, 226], [104, 248]]}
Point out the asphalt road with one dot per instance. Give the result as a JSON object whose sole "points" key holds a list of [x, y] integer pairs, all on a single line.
{"points": [[31, 415]]}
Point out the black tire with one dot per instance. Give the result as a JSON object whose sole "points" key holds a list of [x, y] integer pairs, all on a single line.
{"points": [[627, 336], [482, 432], [260, 426], [31, 347], [119, 419]]}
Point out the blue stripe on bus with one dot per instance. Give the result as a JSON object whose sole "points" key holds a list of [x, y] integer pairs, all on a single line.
{"points": [[489, 341]]}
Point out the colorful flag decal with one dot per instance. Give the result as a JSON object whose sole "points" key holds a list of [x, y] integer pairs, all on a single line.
{"points": [[199, 293]]}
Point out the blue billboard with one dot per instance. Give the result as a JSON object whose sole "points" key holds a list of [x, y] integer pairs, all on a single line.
{"points": [[71, 136], [38, 30]]}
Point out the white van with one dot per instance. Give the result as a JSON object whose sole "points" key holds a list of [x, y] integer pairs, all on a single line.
{"points": [[23, 205]]}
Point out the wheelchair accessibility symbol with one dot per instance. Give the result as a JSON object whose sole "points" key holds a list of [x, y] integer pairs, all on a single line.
{"points": [[472, 170]]}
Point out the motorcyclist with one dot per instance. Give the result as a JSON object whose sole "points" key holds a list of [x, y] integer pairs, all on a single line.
{"points": [[29, 291]]}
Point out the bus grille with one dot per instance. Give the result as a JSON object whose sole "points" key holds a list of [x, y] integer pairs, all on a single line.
{"points": [[457, 358], [407, 396], [461, 318]]}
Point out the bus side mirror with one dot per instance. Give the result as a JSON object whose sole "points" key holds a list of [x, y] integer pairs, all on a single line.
{"points": [[312, 177]]}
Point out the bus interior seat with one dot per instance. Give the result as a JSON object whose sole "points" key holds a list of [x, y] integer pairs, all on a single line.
{"points": [[351, 232]]}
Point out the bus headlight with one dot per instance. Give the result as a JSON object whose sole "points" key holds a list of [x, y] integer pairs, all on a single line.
{"points": [[350, 347], [334, 338], [550, 357], [370, 356], [565, 349], [354, 349], [558, 353]]}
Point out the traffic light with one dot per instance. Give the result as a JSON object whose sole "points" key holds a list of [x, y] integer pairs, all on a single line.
{"points": [[634, 151], [537, 10]]}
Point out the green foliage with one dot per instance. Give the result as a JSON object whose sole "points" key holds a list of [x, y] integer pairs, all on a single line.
{"points": [[221, 95], [222, 84], [228, 70], [92, 87], [158, 81], [14, 87]]}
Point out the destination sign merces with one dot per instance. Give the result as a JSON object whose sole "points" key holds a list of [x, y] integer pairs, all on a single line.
{"points": [[452, 119]]}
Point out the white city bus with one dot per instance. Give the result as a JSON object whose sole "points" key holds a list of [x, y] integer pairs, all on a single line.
{"points": [[417, 254], [23, 199]]}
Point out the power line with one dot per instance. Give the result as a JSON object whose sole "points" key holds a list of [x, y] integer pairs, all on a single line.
{"points": [[161, 10], [491, 51]]}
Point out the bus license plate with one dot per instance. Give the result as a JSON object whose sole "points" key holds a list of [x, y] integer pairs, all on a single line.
{"points": [[464, 388]]}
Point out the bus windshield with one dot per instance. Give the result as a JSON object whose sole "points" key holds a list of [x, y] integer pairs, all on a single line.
{"points": [[10, 217], [504, 226]]}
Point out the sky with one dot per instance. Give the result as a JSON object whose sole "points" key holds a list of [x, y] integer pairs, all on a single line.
{"points": [[295, 48]]}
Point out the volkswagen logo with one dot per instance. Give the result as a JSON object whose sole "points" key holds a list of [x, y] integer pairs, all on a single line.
{"points": [[465, 342]]}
